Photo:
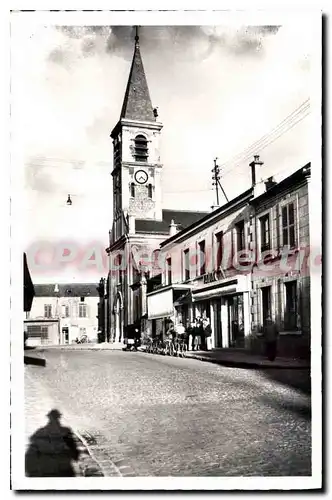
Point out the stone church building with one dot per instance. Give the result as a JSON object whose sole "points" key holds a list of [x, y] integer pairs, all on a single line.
{"points": [[140, 223]]}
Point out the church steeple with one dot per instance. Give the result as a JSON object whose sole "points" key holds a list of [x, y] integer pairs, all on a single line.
{"points": [[136, 153], [137, 102]]}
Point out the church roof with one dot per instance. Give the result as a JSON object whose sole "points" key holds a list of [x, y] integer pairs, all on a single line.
{"points": [[137, 103], [181, 217]]}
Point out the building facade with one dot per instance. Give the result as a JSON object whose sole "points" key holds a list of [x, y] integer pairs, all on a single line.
{"points": [[242, 263], [281, 276], [62, 313], [140, 223], [201, 279]]}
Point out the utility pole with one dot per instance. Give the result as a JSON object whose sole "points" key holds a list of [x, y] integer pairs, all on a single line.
{"points": [[216, 181]]}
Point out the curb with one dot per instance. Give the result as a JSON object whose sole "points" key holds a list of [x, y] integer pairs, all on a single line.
{"points": [[247, 364]]}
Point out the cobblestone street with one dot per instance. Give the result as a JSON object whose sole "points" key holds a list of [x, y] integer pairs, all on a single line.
{"points": [[137, 414]]}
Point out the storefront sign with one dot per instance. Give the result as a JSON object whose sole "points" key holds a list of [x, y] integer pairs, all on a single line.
{"points": [[214, 276]]}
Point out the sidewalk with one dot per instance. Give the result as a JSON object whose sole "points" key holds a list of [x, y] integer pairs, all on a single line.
{"points": [[243, 359], [113, 346]]}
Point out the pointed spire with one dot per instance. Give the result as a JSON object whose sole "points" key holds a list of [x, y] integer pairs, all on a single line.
{"points": [[137, 102]]}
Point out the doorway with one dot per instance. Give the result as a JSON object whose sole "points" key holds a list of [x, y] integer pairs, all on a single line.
{"points": [[65, 334], [235, 321], [217, 323], [266, 303]]}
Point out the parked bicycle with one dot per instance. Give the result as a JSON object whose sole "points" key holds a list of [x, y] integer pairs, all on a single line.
{"points": [[82, 340], [181, 347], [169, 347]]}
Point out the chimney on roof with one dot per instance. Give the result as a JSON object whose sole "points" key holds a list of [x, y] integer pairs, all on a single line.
{"points": [[253, 165], [172, 228], [257, 186], [269, 183]]}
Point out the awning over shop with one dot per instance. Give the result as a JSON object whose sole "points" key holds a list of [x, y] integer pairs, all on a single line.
{"points": [[183, 299], [160, 305], [215, 293]]}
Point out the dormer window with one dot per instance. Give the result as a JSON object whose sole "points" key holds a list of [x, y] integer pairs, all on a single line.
{"points": [[132, 190], [141, 148]]}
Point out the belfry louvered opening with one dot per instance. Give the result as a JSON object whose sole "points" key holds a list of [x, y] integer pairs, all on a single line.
{"points": [[141, 148]]}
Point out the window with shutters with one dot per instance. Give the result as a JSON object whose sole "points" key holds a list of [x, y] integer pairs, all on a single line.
{"points": [[65, 311], [265, 236], [82, 310], [219, 249], [186, 264], [288, 225], [169, 271], [240, 236], [201, 258], [47, 310]]}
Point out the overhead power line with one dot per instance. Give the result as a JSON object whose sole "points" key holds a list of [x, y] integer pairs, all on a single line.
{"points": [[263, 145], [300, 109]]}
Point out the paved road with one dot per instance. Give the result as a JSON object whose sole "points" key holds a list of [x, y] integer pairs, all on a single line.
{"points": [[152, 415]]}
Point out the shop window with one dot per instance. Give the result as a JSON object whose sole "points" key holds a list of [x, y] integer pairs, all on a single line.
{"points": [[288, 225], [47, 311], [219, 249], [202, 267], [291, 306], [37, 331], [186, 264], [141, 148], [265, 233]]}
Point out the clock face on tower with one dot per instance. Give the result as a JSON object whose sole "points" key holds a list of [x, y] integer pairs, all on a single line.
{"points": [[141, 176]]}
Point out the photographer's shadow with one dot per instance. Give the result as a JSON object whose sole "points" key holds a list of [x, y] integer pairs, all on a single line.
{"points": [[52, 450]]}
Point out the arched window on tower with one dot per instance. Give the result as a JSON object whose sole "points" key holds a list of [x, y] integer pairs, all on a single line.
{"points": [[149, 190], [141, 148], [132, 190]]}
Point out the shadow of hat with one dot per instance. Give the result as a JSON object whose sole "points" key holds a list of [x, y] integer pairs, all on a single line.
{"points": [[54, 414]]}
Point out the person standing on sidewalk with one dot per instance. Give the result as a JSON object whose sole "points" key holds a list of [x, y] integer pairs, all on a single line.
{"points": [[198, 330], [271, 338]]}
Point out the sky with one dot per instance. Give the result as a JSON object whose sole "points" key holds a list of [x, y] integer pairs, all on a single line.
{"points": [[218, 90]]}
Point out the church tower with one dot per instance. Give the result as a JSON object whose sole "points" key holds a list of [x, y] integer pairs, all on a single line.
{"points": [[136, 153]]}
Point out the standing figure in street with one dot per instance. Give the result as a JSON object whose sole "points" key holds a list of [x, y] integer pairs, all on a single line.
{"points": [[189, 334], [271, 338], [198, 334], [207, 332]]}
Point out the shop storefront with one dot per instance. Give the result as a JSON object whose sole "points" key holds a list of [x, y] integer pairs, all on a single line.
{"points": [[226, 305], [161, 307]]}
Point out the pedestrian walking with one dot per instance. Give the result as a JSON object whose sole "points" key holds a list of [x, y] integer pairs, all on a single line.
{"points": [[271, 338]]}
